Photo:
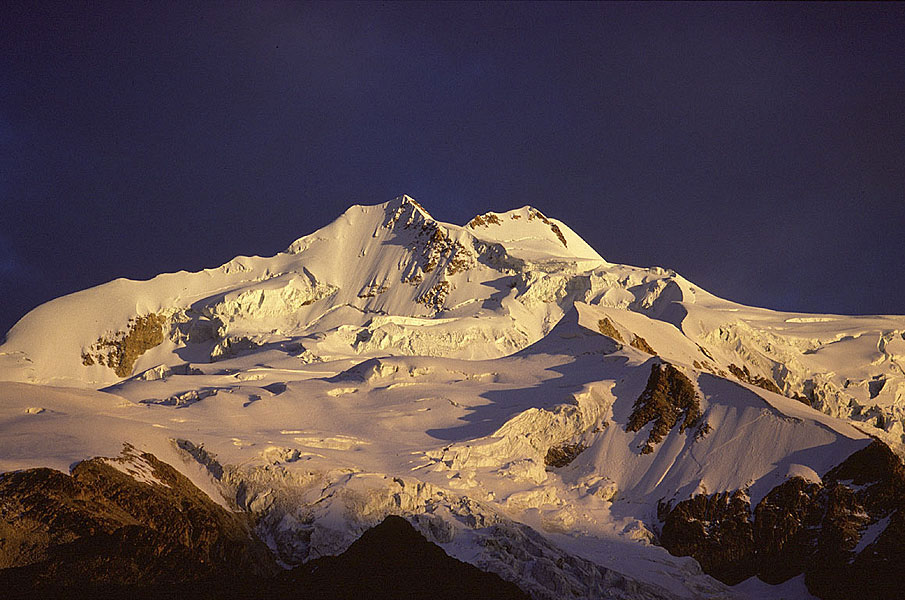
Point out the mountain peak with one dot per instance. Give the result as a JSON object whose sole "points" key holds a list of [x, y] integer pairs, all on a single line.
{"points": [[406, 210], [529, 213], [406, 202], [491, 373], [529, 233]]}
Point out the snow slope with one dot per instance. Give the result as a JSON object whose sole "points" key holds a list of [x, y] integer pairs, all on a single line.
{"points": [[390, 363]]}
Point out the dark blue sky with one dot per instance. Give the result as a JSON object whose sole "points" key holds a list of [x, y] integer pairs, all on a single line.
{"points": [[758, 149]]}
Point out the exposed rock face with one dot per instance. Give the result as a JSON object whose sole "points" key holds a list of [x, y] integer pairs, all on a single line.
{"points": [[607, 328], [484, 220], [536, 214], [743, 374], [641, 344], [862, 551], [120, 350], [785, 528], [668, 396], [717, 531], [134, 520], [560, 456], [846, 534]]}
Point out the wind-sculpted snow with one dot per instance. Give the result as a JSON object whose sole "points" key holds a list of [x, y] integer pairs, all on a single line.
{"points": [[491, 383]]}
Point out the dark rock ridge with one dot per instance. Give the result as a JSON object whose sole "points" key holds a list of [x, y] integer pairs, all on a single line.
{"points": [[668, 399], [742, 374], [134, 527], [607, 328], [641, 344], [715, 530], [846, 533], [560, 456], [101, 525], [392, 560]]}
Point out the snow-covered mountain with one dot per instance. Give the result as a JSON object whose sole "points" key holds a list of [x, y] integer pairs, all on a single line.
{"points": [[537, 411]]}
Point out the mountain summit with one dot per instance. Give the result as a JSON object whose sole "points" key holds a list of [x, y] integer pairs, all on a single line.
{"points": [[534, 409], [390, 261], [390, 279]]}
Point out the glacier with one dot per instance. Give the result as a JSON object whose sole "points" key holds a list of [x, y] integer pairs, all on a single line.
{"points": [[392, 364]]}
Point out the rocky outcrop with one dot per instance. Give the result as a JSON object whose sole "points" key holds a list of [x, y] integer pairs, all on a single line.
{"points": [[641, 344], [560, 456], [119, 522], [606, 327], [743, 374], [845, 533], [485, 220], [668, 398], [716, 530], [785, 525], [536, 214], [120, 350]]}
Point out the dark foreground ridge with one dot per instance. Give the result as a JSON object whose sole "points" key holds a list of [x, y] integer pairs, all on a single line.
{"points": [[100, 533], [846, 533], [135, 528], [392, 560]]}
